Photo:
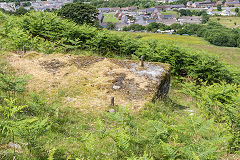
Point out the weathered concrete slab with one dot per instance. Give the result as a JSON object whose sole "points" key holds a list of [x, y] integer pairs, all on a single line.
{"points": [[92, 81]]}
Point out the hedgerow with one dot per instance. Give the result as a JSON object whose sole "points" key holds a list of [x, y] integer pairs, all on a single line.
{"points": [[46, 32]]}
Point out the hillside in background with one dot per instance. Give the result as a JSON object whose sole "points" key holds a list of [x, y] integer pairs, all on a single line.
{"points": [[229, 22]]}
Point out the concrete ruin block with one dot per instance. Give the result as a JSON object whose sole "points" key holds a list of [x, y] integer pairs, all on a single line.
{"points": [[140, 83], [129, 81]]}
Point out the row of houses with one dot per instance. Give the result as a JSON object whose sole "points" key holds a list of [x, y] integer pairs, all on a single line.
{"points": [[208, 4], [190, 4], [43, 5], [148, 16], [204, 4], [114, 9], [167, 1], [226, 12], [8, 6], [37, 5], [234, 3], [130, 9]]}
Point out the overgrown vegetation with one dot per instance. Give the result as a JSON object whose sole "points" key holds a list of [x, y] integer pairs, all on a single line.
{"points": [[206, 128]]}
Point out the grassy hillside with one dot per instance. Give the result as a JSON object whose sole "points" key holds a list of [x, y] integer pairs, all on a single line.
{"points": [[227, 21], [48, 109], [82, 131], [229, 55]]}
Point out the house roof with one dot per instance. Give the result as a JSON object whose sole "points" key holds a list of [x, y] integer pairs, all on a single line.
{"points": [[162, 6], [177, 6], [234, 2], [103, 9], [133, 7], [167, 16], [124, 8], [45, 2], [219, 2], [205, 2], [190, 2], [150, 9], [196, 4], [150, 21]]}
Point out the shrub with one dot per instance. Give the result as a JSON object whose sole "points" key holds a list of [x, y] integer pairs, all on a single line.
{"points": [[46, 32], [183, 63], [221, 102]]}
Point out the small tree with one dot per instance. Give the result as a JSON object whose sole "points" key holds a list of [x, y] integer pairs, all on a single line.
{"points": [[205, 18], [176, 26], [111, 26], [125, 28], [79, 12], [237, 10], [26, 4], [8, 120], [11, 86], [21, 11], [28, 129], [219, 7]]}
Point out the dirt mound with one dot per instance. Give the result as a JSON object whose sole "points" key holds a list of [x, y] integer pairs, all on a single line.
{"points": [[89, 82]]}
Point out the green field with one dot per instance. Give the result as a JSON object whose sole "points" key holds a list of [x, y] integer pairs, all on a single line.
{"points": [[170, 13], [229, 55], [109, 17], [227, 21]]}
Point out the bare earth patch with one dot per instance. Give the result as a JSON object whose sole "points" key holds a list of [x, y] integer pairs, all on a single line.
{"points": [[89, 82]]}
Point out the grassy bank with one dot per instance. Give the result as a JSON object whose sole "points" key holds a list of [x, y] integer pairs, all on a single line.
{"points": [[227, 21]]}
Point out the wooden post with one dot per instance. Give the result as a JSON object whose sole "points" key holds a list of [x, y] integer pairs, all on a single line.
{"points": [[24, 49], [112, 101], [142, 61]]}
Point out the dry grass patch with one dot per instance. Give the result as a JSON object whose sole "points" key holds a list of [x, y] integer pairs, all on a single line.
{"points": [[89, 82]]}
